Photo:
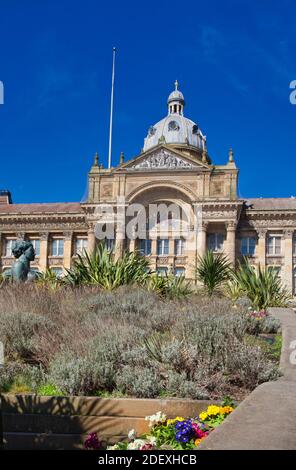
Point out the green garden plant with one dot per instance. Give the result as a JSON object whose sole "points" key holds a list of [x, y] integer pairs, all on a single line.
{"points": [[262, 286], [213, 270], [100, 268]]}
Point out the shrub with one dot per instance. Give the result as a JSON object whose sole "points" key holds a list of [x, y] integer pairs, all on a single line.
{"points": [[19, 333], [263, 287], [141, 382], [213, 270], [49, 390], [170, 286], [100, 268]]}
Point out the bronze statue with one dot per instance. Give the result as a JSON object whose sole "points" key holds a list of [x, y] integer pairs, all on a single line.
{"points": [[24, 253]]}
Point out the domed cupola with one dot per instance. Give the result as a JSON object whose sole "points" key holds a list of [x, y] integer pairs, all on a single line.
{"points": [[176, 129], [176, 101]]}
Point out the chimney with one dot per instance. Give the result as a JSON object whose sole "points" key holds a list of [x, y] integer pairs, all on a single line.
{"points": [[5, 197]]}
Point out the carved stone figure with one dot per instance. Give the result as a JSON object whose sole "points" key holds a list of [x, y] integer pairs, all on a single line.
{"points": [[162, 159], [20, 271]]}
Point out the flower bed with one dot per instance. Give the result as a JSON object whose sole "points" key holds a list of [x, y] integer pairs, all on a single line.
{"points": [[177, 433]]}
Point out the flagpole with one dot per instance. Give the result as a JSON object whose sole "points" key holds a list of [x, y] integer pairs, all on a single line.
{"points": [[111, 109]]}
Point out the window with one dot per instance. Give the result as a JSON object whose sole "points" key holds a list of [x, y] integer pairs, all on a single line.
{"points": [[145, 247], [162, 247], [173, 126], [57, 247], [109, 244], [274, 245], [248, 245], [162, 271], [59, 272], [215, 241], [294, 245], [80, 246], [275, 269], [179, 272], [36, 245], [9, 244], [179, 247]]}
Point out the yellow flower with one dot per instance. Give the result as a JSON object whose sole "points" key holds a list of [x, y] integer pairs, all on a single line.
{"points": [[226, 409], [203, 416], [213, 410], [197, 441], [172, 421]]}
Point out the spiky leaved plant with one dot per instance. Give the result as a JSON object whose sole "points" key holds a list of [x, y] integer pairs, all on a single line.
{"points": [[213, 270], [262, 286], [100, 268]]}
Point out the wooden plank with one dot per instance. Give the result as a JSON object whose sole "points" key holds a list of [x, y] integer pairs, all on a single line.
{"points": [[103, 425], [94, 406], [33, 441]]}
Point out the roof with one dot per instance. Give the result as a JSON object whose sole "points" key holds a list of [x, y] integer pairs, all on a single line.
{"points": [[175, 129], [42, 208], [271, 204]]}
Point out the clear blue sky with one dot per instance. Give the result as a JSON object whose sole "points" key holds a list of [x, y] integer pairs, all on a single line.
{"points": [[234, 60]]}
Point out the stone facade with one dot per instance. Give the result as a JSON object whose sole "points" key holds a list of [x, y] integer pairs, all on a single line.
{"points": [[177, 169]]}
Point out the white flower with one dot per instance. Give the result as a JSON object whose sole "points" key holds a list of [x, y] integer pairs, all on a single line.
{"points": [[132, 434], [159, 417], [137, 444], [152, 440], [115, 447]]}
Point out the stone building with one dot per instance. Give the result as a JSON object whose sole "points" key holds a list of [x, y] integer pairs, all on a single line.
{"points": [[173, 167]]}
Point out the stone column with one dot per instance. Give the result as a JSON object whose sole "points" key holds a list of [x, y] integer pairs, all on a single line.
{"points": [[67, 249], [43, 258], [119, 240], [261, 247], [202, 239], [91, 241], [230, 241], [287, 274]]}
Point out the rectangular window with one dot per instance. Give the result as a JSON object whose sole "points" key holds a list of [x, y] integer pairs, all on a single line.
{"points": [[162, 247], [9, 245], [179, 272], [162, 271], [294, 245], [80, 246], [145, 247], [109, 244], [57, 247], [36, 245], [179, 247], [59, 272], [275, 269], [215, 242], [274, 245], [248, 245]]}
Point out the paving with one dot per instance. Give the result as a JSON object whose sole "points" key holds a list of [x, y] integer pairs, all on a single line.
{"points": [[266, 419]]}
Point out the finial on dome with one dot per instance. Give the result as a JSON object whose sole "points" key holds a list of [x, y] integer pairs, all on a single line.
{"points": [[230, 155], [96, 161], [176, 85], [121, 157]]}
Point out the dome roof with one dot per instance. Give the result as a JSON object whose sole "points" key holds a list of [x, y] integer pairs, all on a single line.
{"points": [[176, 95], [175, 128]]}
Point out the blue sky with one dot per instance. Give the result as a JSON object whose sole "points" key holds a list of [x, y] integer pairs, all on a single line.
{"points": [[234, 60]]}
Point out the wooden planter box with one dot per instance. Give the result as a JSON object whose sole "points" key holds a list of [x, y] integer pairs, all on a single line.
{"points": [[37, 422]]}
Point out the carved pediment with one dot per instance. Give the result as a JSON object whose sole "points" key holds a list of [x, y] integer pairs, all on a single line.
{"points": [[162, 159]]}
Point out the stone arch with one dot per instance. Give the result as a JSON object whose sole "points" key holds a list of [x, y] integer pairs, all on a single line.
{"points": [[181, 191]]}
